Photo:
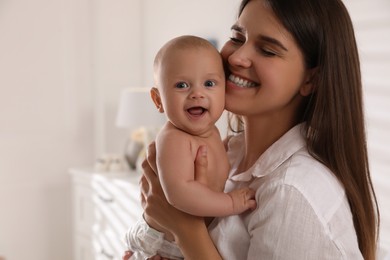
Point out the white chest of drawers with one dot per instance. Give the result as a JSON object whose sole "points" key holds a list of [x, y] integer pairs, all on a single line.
{"points": [[105, 205]]}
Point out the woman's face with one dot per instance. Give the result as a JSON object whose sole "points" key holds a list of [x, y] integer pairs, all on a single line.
{"points": [[265, 68]]}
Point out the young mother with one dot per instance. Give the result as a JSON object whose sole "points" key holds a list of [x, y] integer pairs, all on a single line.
{"points": [[294, 83]]}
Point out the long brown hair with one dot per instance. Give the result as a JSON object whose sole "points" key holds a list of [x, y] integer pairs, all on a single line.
{"points": [[334, 111]]}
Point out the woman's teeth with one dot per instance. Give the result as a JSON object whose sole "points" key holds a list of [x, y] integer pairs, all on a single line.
{"points": [[241, 82]]}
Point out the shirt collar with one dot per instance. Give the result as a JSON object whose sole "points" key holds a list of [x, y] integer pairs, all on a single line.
{"points": [[272, 158]]}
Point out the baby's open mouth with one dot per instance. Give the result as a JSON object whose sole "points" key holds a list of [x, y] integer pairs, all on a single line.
{"points": [[196, 111]]}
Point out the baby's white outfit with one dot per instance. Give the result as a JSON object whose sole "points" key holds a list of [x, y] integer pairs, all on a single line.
{"points": [[146, 242]]}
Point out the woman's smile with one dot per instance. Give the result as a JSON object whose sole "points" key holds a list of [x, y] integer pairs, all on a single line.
{"points": [[241, 82]]}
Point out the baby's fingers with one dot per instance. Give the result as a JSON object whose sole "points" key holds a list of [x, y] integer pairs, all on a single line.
{"points": [[250, 199]]}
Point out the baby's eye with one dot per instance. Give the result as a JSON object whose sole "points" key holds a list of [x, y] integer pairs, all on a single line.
{"points": [[209, 83], [181, 85]]}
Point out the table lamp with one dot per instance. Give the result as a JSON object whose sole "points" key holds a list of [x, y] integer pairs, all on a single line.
{"points": [[138, 113]]}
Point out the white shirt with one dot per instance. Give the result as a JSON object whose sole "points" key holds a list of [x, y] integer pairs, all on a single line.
{"points": [[302, 210]]}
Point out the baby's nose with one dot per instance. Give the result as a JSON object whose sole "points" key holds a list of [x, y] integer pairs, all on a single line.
{"points": [[196, 94]]}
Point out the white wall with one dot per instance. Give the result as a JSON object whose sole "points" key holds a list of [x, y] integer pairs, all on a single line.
{"points": [[116, 41], [63, 64], [46, 122]]}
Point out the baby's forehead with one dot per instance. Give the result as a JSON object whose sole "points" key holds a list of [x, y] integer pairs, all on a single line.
{"points": [[183, 43], [181, 52], [180, 49], [185, 60]]}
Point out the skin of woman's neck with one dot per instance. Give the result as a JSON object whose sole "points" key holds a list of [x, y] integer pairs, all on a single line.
{"points": [[260, 134]]}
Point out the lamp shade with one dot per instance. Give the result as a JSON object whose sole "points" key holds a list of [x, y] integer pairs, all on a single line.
{"points": [[136, 109]]}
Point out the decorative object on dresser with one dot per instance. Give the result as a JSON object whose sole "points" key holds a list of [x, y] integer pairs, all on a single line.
{"points": [[110, 163], [137, 112], [104, 206]]}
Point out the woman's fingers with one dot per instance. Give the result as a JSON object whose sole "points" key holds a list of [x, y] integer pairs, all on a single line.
{"points": [[144, 190], [149, 174], [151, 156], [201, 164]]}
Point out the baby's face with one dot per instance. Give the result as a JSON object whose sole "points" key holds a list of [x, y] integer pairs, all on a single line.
{"points": [[192, 87]]}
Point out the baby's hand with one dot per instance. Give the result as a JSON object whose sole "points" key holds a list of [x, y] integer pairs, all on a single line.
{"points": [[242, 199]]}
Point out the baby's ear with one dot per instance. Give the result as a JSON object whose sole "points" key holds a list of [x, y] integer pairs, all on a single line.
{"points": [[155, 95]]}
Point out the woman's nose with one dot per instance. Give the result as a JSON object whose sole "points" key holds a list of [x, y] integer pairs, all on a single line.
{"points": [[240, 57]]}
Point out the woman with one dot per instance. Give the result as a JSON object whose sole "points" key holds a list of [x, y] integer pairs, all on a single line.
{"points": [[294, 82]]}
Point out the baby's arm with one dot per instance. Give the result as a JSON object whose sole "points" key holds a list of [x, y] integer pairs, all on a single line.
{"points": [[175, 160]]}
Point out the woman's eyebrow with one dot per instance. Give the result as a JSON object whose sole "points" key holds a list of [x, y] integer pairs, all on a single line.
{"points": [[272, 41], [264, 38], [236, 27]]}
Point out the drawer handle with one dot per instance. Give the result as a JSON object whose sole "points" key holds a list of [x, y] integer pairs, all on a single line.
{"points": [[106, 200], [106, 254]]}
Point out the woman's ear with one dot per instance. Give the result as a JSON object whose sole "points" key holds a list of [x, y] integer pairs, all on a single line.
{"points": [[155, 95], [308, 87]]}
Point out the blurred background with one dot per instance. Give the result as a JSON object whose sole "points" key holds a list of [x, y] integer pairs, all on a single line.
{"points": [[63, 65]]}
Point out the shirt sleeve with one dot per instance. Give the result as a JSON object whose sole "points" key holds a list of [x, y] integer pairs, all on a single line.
{"points": [[288, 228]]}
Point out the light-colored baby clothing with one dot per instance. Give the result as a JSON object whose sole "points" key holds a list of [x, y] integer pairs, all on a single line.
{"points": [[146, 242]]}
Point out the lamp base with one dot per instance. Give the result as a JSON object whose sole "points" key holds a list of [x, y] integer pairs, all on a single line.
{"points": [[132, 151]]}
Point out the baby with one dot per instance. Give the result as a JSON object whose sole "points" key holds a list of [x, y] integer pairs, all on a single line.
{"points": [[190, 89]]}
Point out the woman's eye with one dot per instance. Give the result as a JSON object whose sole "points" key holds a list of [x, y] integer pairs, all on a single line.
{"points": [[181, 85], [267, 53], [209, 83], [236, 40]]}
